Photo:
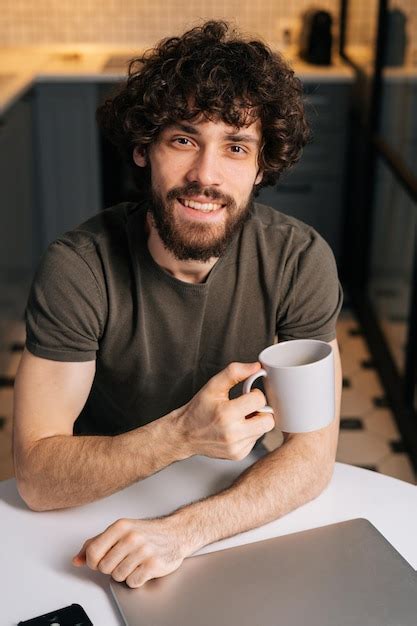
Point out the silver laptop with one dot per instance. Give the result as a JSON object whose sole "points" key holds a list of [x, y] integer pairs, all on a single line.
{"points": [[345, 574]]}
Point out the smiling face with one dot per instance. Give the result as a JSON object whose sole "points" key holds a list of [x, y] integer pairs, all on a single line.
{"points": [[203, 174]]}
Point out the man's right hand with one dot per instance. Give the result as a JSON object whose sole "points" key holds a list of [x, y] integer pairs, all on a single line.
{"points": [[55, 469], [214, 426]]}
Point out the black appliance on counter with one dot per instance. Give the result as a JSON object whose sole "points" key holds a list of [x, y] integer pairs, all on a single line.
{"points": [[316, 37]]}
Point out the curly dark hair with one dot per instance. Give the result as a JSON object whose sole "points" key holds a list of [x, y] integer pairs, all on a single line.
{"points": [[209, 70]]}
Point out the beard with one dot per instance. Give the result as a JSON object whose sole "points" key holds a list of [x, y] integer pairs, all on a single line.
{"points": [[197, 241]]}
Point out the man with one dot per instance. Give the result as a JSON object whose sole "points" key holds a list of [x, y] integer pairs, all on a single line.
{"points": [[142, 321]]}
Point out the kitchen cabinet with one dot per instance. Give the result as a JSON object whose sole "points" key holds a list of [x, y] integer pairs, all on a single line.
{"points": [[314, 190], [68, 159], [17, 223]]}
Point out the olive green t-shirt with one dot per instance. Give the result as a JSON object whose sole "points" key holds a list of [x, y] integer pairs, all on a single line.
{"points": [[98, 294]]}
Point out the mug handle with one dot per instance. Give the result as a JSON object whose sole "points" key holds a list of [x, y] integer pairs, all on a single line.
{"points": [[247, 385]]}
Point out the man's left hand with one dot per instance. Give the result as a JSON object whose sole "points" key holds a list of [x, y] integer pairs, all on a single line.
{"points": [[135, 550]]}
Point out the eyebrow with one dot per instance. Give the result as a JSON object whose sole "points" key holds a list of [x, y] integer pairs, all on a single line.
{"points": [[192, 130], [242, 137]]}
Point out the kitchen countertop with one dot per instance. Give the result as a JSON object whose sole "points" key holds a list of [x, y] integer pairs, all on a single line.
{"points": [[23, 66], [363, 56]]}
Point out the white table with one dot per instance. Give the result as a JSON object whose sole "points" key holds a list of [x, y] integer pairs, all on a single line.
{"points": [[36, 575]]}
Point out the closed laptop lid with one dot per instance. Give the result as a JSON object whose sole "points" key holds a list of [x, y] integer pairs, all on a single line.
{"points": [[345, 574]]}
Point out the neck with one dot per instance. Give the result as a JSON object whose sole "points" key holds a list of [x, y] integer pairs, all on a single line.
{"points": [[189, 271]]}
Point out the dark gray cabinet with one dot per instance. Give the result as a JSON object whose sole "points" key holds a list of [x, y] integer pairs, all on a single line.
{"points": [[314, 190], [17, 223], [68, 156]]}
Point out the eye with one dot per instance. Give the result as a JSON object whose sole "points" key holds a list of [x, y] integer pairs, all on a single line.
{"points": [[182, 141], [236, 149]]}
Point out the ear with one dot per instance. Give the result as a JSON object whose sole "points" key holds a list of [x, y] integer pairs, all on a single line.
{"points": [[259, 177], [139, 156]]}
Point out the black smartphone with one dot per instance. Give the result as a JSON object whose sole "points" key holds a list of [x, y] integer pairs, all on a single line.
{"points": [[73, 615]]}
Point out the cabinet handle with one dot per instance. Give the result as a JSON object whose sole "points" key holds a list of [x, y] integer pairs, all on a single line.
{"points": [[306, 188]]}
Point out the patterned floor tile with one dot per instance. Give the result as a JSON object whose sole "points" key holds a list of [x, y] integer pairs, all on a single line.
{"points": [[10, 364], [17, 346], [342, 332], [360, 448], [372, 468], [398, 446], [398, 466], [6, 459], [348, 324], [368, 364], [351, 423], [367, 382], [6, 406], [4, 362], [356, 332], [352, 352], [380, 402], [396, 335], [11, 331], [355, 402], [6, 382], [381, 422]]}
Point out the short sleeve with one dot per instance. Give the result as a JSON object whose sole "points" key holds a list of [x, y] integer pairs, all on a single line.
{"points": [[65, 311], [313, 295]]}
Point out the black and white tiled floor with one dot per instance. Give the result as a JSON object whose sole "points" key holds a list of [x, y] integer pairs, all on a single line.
{"points": [[368, 436], [375, 442]]}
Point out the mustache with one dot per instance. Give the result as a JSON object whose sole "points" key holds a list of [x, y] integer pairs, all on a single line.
{"points": [[195, 189]]}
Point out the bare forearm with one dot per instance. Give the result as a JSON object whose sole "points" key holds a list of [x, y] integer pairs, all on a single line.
{"points": [[64, 471], [275, 485], [282, 481]]}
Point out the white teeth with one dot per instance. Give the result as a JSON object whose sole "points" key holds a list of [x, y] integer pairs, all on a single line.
{"points": [[200, 206]]}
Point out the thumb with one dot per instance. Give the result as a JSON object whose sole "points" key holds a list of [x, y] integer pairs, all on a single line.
{"points": [[80, 558], [233, 374]]}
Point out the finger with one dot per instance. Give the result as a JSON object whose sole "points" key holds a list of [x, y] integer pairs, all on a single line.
{"points": [[248, 403], [151, 568], [128, 565], [259, 424], [112, 559], [129, 550], [233, 374], [139, 576], [98, 547], [79, 558]]}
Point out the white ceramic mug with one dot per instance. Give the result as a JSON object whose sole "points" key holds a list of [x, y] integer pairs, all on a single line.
{"points": [[299, 384]]}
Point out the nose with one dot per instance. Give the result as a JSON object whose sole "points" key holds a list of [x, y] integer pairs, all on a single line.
{"points": [[205, 168]]}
